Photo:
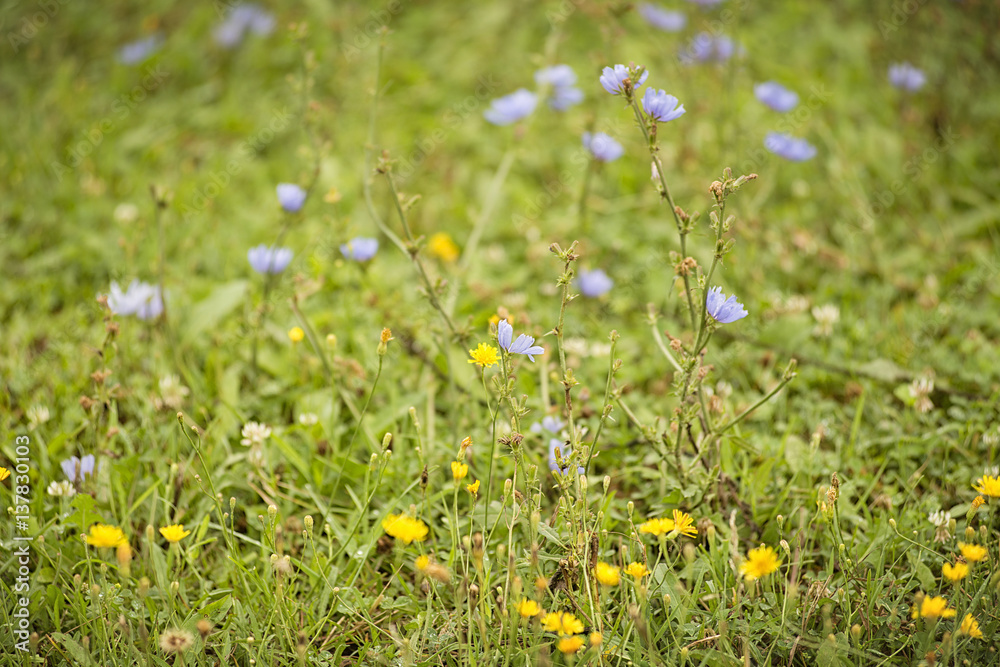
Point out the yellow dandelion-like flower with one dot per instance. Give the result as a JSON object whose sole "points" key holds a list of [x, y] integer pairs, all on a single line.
{"points": [[443, 247], [988, 485], [495, 320], [528, 608], [970, 626], [596, 638], [296, 334], [422, 562], [954, 572], [562, 622], [933, 607], [473, 488], [4, 473], [760, 562], [174, 533], [657, 526], [973, 552], [684, 524], [485, 355], [637, 570], [569, 645], [459, 470], [609, 575], [978, 502], [541, 584], [405, 528], [176, 641], [105, 537]]}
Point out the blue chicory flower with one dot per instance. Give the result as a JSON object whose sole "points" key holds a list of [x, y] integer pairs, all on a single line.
{"points": [[595, 283], [564, 452], [602, 146], [141, 299], [291, 197], [789, 147], [565, 97], [360, 249], [268, 259], [776, 96], [77, 468], [135, 52], [660, 106], [511, 108], [523, 345], [906, 77], [550, 423], [557, 76], [664, 19], [244, 18], [723, 310], [613, 79], [706, 47]]}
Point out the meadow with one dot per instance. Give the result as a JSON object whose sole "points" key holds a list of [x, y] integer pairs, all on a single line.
{"points": [[502, 333]]}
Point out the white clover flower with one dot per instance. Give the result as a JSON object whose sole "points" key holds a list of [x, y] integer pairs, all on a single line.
{"points": [[37, 414], [254, 434], [126, 213], [256, 457], [308, 418], [941, 521], [826, 316], [796, 303], [172, 393], [921, 390], [63, 489]]}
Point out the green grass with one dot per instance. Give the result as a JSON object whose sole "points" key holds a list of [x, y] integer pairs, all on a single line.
{"points": [[165, 170]]}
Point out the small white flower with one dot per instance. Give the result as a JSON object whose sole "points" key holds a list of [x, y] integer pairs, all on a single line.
{"points": [[256, 457], [254, 434], [308, 418], [172, 393], [797, 303], [921, 390], [992, 438], [37, 414], [940, 518], [826, 316], [126, 213], [63, 489]]}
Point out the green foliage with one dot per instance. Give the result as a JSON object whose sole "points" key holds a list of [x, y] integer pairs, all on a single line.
{"points": [[857, 399]]}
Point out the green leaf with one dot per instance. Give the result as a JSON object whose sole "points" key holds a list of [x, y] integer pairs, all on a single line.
{"points": [[84, 516], [209, 311], [78, 653]]}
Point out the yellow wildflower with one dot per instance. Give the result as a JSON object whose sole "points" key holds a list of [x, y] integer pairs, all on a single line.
{"points": [[684, 524], [459, 470], [405, 528], [4, 473], [562, 622], [528, 608], [484, 355], [174, 533], [657, 526], [955, 572], [596, 638], [988, 485], [933, 607], [607, 574], [495, 320], [473, 488], [972, 552], [441, 246], [760, 562], [422, 563], [105, 537], [970, 626], [637, 570], [570, 644], [296, 334]]}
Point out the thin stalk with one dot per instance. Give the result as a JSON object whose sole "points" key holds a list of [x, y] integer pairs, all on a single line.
{"points": [[361, 417]]}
